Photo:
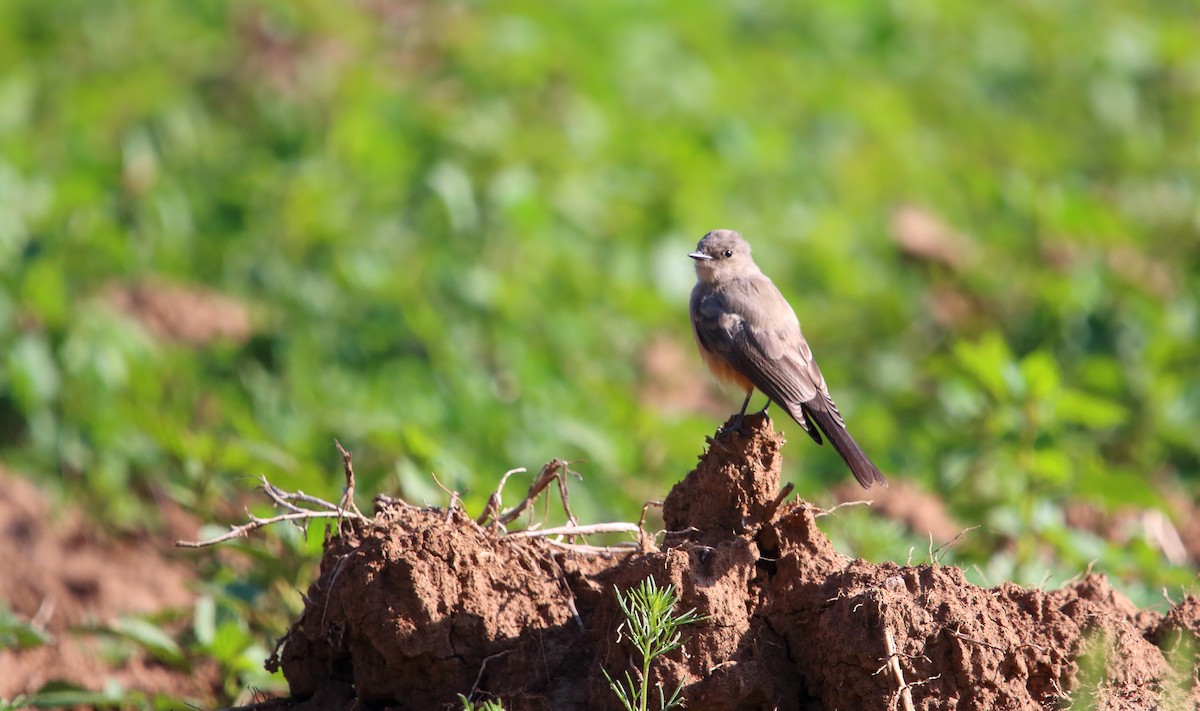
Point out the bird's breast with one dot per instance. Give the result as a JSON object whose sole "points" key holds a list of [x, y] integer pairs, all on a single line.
{"points": [[723, 371]]}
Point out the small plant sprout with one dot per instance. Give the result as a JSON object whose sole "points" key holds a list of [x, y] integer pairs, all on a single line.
{"points": [[488, 705], [653, 627]]}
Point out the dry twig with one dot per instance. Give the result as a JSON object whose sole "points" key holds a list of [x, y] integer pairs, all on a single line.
{"points": [[491, 512], [897, 673], [257, 523], [646, 542], [299, 506], [935, 554], [959, 635], [844, 504], [777, 502], [347, 501], [616, 549], [482, 667], [555, 470], [576, 530]]}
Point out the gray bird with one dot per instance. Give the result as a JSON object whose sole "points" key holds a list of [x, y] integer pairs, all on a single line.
{"points": [[750, 337]]}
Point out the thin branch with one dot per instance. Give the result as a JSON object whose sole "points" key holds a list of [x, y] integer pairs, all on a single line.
{"points": [[566, 588], [491, 511], [646, 507], [455, 498], [1005, 650], [844, 504], [256, 523], [347, 501], [935, 555], [897, 672], [562, 490], [482, 667], [573, 530], [777, 502], [333, 582], [554, 469], [279, 496], [288, 501], [646, 542], [616, 549], [276, 493]]}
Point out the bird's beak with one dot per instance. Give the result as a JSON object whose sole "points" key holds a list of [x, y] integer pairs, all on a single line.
{"points": [[700, 256]]}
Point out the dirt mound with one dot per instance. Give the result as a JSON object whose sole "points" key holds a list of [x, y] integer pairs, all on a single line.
{"points": [[426, 604]]}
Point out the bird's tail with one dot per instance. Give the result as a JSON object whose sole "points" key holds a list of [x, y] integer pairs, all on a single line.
{"points": [[860, 465]]}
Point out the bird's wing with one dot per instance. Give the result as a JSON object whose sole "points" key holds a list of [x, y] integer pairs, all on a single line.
{"points": [[764, 343], [753, 328]]}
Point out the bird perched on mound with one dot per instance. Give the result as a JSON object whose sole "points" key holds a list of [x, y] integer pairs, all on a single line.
{"points": [[750, 337]]}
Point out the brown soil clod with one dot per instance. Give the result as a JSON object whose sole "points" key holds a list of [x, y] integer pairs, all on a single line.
{"points": [[420, 607]]}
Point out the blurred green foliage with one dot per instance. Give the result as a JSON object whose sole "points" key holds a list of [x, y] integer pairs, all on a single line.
{"points": [[460, 226]]}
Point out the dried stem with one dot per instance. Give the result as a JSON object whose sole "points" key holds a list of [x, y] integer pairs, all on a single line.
{"points": [[295, 504], [347, 501], [777, 502], [576, 530], [255, 523], [935, 554], [844, 504], [491, 512], [555, 469], [897, 672], [646, 542]]}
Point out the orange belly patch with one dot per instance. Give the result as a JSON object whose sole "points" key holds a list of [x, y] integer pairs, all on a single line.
{"points": [[724, 373]]}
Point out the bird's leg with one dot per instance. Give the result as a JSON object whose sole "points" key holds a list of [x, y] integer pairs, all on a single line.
{"points": [[766, 407], [737, 422]]}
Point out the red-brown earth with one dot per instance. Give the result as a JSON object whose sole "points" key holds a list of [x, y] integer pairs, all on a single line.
{"points": [[419, 605], [73, 583]]}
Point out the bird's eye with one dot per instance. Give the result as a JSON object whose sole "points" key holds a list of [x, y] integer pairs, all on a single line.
{"points": [[728, 253]]}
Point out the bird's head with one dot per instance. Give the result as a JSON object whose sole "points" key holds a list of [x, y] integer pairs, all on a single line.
{"points": [[722, 254]]}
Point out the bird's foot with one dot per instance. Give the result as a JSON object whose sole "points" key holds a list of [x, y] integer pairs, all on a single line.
{"points": [[738, 425]]}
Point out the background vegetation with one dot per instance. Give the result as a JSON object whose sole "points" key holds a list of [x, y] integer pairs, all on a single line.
{"points": [[461, 227]]}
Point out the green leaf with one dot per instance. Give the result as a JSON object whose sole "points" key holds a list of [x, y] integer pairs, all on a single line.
{"points": [[34, 375], [59, 694], [1052, 466], [156, 641], [16, 633], [1040, 375], [1078, 407], [204, 624], [1116, 487], [989, 361]]}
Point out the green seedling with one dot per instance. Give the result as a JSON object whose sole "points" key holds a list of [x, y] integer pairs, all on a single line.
{"points": [[653, 627]]}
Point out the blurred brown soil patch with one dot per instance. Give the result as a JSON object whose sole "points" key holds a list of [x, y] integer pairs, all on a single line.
{"points": [[925, 236], [945, 254], [61, 573], [672, 380], [423, 603], [1176, 536], [174, 312], [1188, 522], [921, 512]]}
